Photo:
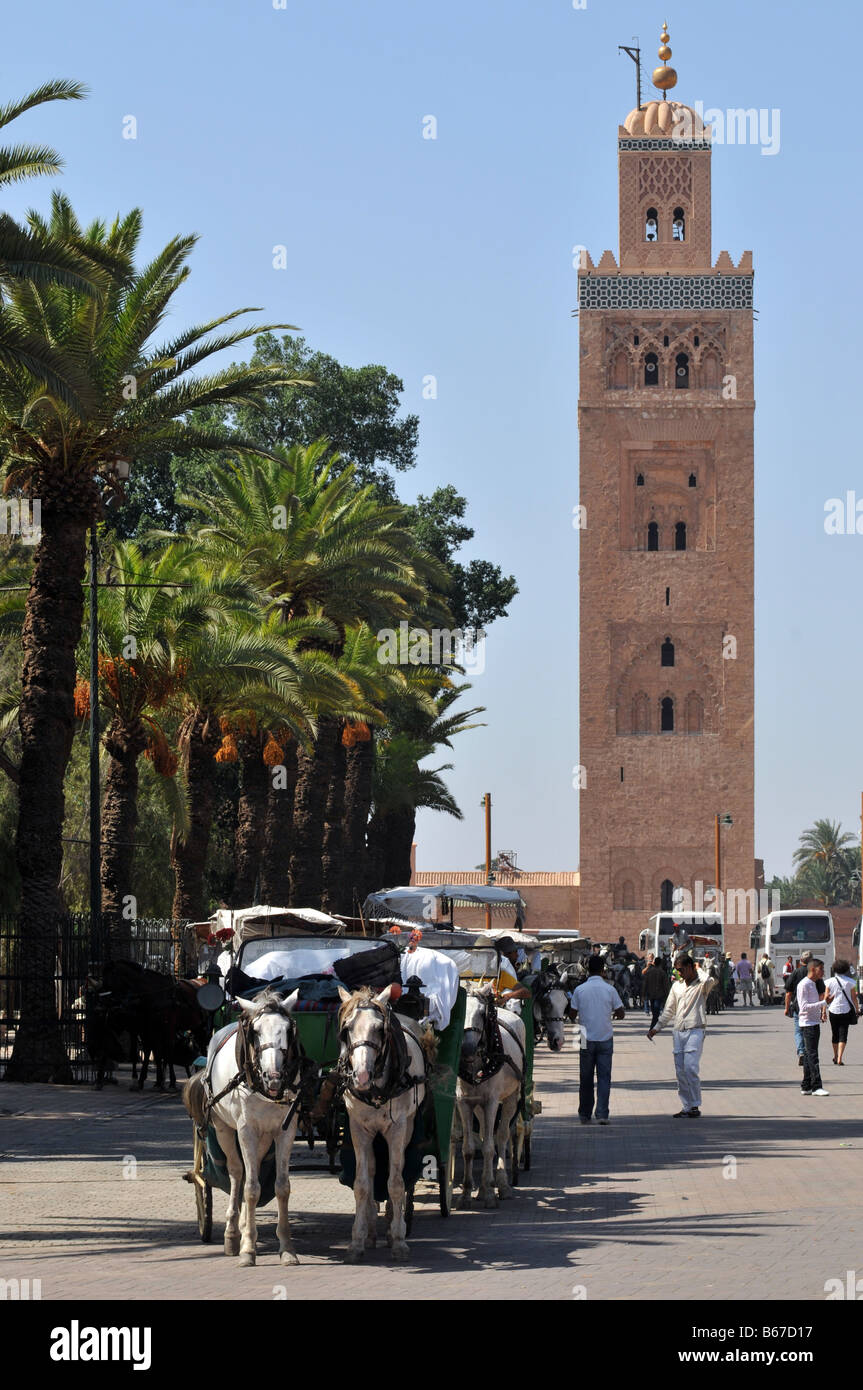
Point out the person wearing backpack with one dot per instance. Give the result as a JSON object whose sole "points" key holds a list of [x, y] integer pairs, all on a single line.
{"points": [[765, 980], [843, 1008]]}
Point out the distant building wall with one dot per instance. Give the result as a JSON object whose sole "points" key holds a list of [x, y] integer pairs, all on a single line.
{"points": [[551, 898]]}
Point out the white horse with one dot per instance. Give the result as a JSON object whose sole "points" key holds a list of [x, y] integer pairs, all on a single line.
{"points": [[251, 1092], [549, 1007], [490, 1077], [384, 1087]]}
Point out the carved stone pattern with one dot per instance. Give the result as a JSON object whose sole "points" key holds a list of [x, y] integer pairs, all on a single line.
{"points": [[665, 178], [665, 292]]}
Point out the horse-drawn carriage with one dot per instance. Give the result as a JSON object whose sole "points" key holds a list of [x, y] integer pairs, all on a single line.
{"points": [[372, 1036], [415, 1068]]}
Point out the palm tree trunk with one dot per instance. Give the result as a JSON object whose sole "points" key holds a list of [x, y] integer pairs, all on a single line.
{"points": [[189, 856], [359, 765], [125, 743], [337, 892], [278, 831], [251, 816], [52, 627], [399, 838], [376, 856], [310, 803]]}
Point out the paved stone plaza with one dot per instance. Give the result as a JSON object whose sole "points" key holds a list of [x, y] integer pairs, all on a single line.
{"points": [[642, 1209]]}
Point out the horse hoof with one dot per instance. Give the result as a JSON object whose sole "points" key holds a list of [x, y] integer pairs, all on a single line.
{"points": [[504, 1192], [400, 1250], [463, 1203], [490, 1201], [232, 1245], [288, 1257], [354, 1254], [247, 1259]]}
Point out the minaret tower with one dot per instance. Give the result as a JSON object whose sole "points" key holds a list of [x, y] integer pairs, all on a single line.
{"points": [[666, 579]]}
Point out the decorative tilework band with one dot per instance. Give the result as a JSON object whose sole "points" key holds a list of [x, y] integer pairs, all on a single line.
{"points": [[670, 144], [665, 292]]}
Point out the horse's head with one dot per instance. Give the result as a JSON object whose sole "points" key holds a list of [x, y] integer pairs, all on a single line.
{"points": [[480, 1003], [364, 1025], [552, 1004], [270, 1037]]}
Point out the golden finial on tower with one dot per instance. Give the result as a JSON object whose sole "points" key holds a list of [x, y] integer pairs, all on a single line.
{"points": [[665, 77]]}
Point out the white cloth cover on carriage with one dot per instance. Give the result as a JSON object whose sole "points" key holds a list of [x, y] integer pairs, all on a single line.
{"points": [[439, 975], [305, 960]]}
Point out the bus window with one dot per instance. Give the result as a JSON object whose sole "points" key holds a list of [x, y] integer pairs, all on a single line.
{"points": [[812, 928]]}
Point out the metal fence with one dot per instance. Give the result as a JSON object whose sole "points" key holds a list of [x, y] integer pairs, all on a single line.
{"points": [[82, 948]]}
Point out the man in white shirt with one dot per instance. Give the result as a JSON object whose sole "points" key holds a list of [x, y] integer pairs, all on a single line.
{"points": [[597, 1003], [813, 1012], [684, 1010]]}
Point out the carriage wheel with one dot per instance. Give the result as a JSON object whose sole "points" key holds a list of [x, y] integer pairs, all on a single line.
{"points": [[409, 1212], [446, 1180], [203, 1193]]}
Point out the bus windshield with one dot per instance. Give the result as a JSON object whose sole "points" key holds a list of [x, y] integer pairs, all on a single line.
{"points": [[788, 930]]}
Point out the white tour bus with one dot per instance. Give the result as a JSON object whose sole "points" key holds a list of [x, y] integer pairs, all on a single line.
{"points": [[790, 933], [701, 933]]}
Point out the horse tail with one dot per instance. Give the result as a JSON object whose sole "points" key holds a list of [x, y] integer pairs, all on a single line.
{"points": [[193, 1097], [429, 1044]]}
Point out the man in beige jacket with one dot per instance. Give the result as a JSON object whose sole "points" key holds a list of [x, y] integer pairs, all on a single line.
{"points": [[684, 1010]]}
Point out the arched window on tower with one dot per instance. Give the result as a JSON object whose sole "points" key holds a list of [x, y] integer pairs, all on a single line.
{"points": [[681, 370], [693, 481], [666, 896], [651, 224], [710, 374], [666, 653], [651, 369], [693, 714], [667, 716], [678, 225], [680, 535], [639, 481], [619, 374], [652, 535], [640, 714]]}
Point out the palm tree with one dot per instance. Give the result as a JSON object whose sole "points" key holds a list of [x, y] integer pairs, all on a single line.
{"points": [[137, 395], [238, 666], [316, 544], [823, 861], [401, 786], [38, 258]]}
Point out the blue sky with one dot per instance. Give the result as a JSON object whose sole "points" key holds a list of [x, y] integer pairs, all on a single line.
{"points": [[302, 127]]}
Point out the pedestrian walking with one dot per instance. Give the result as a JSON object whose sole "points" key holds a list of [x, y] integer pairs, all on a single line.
{"points": [[764, 980], [812, 1006], [787, 972], [655, 984], [791, 1010], [843, 1007], [684, 1010], [745, 978], [597, 1003], [726, 981]]}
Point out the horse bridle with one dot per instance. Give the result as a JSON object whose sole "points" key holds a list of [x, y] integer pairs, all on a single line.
{"points": [[385, 1085], [495, 1054], [249, 1057]]}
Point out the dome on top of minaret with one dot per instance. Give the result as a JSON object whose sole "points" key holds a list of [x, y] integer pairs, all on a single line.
{"points": [[664, 120]]}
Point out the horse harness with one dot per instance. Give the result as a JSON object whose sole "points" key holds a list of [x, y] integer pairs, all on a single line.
{"points": [[293, 1076], [543, 990], [391, 1076], [493, 1054]]}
